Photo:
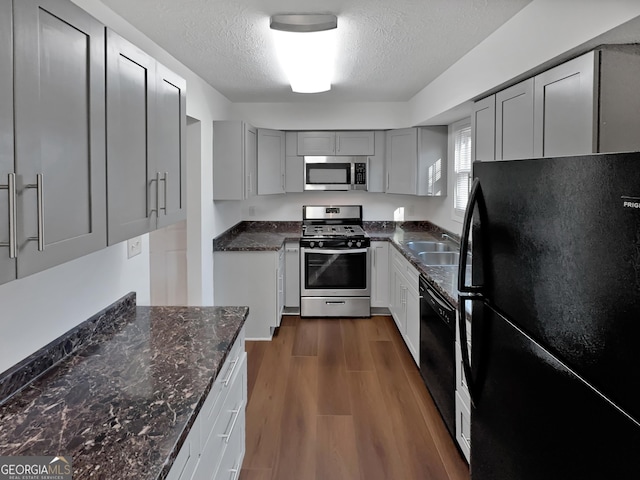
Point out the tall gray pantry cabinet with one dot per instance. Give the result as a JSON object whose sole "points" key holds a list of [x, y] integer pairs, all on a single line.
{"points": [[146, 151], [59, 152]]}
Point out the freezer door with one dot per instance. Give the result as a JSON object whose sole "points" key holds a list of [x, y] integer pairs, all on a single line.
{"points": [[559, 253], [535, 419]]}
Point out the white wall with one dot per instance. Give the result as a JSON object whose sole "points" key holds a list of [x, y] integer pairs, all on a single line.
{"points": [[324, 116], [39, 308]]}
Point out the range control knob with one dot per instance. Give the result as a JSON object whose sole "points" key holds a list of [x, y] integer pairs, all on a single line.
{"points": [[349, 243], [358, 244], [320, 244], [312, 244]]}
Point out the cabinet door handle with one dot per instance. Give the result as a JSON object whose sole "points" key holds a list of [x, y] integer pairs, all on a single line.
{"points": [[40, 200], [13, 239], [387, 180], [236, 414], [283, 182], [157, 205], [230, 374], [166, 183]]}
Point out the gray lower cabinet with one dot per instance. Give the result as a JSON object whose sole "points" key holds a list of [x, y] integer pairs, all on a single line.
{"points": [[146, 121], [7, 169], [59, 110], [514, 121], [215, 445]]}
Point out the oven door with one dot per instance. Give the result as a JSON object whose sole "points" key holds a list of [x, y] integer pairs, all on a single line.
{"points": [[339, 272]]}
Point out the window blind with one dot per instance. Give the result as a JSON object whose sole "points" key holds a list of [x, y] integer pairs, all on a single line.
{"points": [[462, 167]]}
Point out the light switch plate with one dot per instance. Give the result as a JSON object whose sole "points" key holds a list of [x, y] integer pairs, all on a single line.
{"points": [[134, 247]]}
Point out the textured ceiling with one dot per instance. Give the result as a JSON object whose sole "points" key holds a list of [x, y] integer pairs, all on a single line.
{"points": [[388, 49]]}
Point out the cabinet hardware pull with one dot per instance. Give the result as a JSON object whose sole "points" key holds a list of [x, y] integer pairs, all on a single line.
{"points": [[236, 414], [13, 239], [157, 182], [230, 374], [234, 473], [387, 180], [40, 201], [166, 182]]}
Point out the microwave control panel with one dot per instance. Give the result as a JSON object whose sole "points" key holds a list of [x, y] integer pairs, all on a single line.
{"points": [[360, 173]]}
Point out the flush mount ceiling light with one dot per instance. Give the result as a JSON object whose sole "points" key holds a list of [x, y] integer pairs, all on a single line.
{"points": [[306, 47]]}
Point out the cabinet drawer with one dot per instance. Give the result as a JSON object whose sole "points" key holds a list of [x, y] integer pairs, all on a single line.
{"points": [[407, 270], [233, 454], [227, 423], [213, 403], [463, 427]]}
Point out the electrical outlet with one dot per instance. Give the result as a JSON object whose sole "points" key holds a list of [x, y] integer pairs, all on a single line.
{"points": [[134, 247], [252, 211]]}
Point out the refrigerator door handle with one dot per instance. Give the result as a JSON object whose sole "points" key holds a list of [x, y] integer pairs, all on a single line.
{"points": [[464, 346], [474, 198]]}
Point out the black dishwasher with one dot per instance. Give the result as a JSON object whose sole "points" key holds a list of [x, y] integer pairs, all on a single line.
{"points": [[437, 351]]}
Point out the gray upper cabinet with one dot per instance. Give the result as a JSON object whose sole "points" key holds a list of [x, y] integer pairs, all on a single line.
{"points": [[7, 170], [355, 143], [59, 133], [376, 173], [514, 121], [402, 160], [131, 176], [417, 161], [483, 130], [564, 109], [235, 160], [170, 148], [271, 161], [316, 143], [146, 121], [347, 143], [294, 165], [587, 105]]}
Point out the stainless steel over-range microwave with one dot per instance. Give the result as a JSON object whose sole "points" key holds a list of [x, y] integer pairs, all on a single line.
{"points": [[335, 173]]}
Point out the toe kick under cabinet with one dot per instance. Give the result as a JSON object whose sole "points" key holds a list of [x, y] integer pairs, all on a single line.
{"points": [[215, 446]]}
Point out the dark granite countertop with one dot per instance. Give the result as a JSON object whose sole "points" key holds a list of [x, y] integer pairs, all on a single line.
{"points": [[125, 392], [266, 236]]}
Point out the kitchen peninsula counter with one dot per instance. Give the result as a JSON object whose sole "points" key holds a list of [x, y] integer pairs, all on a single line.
{"points": [[120, 392]]}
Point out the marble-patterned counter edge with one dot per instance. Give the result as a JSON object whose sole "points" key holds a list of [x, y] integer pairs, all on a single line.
{"points": [[40, 362], [257, 236]]}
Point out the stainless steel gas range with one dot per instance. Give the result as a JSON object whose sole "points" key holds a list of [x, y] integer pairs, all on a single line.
{"points": [[334, 262]]}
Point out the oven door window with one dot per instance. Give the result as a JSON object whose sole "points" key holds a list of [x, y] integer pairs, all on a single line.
{"points": [[328, 174], [335, 271]]}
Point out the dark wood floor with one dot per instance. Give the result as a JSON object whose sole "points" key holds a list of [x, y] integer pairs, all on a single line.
{"points": [[333, 399]]}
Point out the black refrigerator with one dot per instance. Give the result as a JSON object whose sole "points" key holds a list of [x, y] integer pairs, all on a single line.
{"points": [[554, 368]]}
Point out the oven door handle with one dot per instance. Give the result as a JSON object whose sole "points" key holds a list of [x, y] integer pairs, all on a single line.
{"points": [[326, 251]]}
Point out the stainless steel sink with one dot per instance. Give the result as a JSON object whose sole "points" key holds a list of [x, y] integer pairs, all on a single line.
{"points": [[439, 258], [421, 246]]}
